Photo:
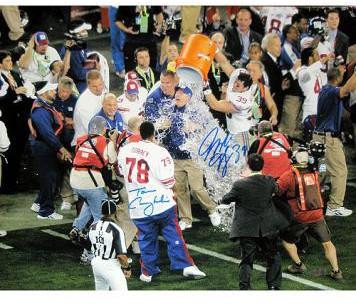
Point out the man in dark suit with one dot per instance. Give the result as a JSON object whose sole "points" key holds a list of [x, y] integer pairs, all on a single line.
{"points": [[15, 107], [338, 40], [238, 38], [256, 222], [271, 45]]}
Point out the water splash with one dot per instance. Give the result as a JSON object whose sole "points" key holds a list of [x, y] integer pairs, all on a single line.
{"points": [[223, 148]]}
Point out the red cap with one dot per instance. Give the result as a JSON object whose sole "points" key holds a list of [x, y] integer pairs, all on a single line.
{"points": [[132, 75], [131, 87]]}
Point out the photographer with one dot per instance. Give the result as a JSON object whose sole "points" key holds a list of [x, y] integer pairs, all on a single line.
{"points": [[301, 185], [93, 153], [75, 46]]}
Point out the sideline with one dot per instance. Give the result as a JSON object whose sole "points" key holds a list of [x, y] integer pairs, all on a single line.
{"points": [[225, 258]]}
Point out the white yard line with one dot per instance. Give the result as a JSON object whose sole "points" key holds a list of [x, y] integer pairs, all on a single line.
{"points": [[256, 267], [55, 234], [351, 184], [225, 258], [5, 246]]}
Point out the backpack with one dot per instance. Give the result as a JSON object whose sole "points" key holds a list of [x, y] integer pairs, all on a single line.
{"points": [[307, 190]]}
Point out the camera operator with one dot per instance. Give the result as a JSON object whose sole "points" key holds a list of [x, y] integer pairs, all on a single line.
{"points": [[75, 46], [301, 185]]}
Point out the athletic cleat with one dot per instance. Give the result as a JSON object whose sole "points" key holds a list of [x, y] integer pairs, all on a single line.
{"points": [[146, 278], [193, 272], [66, 206], [215, 218], [86, 257], [183, 225], [35, 207], [336, 275], [338, 212], [3, 233], [52, 216], [295, 269], [74, 235]]}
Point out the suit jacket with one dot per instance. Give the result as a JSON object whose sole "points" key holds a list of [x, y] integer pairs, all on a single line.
{"points": [[255, 215], [12, 104], [233, 44], [274, 74], [341, 44]]}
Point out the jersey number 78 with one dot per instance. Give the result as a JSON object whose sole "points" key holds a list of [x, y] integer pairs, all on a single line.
{"points": [[142, 170]]}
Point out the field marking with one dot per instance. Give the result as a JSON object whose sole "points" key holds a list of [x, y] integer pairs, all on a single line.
{"points": [[256, 267], [55, 234], [351, 184], [225, 258], [5, 246]]}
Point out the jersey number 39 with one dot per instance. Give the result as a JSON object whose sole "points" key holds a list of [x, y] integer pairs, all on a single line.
{"points": [[142, 170]]}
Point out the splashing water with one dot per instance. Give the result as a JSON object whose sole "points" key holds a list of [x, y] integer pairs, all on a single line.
{"points": [[216, 152]]}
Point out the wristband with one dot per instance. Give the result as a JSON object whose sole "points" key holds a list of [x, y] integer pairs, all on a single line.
{"points": [[207, 92]]}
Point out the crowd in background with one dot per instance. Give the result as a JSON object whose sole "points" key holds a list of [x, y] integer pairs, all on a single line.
{"points": [[288, 58]]}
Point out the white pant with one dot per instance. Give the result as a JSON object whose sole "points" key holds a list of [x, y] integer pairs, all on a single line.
{"points": [[108, 274]]}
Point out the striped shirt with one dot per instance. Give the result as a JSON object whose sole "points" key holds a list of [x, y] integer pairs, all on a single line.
{"points": [[107, 239]]}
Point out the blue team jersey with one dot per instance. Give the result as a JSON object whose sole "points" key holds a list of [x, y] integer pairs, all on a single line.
{"points": [[158, 104], [117, 123], [330, 110]]}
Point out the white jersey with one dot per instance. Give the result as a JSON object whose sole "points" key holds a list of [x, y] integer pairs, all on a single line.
{"points": [[241, 119], [88, 105], [129, 109], [311, 79], [277, 17], [149, 177], [38, 69]]}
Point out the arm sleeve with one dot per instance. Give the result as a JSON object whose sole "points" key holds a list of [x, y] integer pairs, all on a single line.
{"points": [[254, 147], [119, 243], [231, 196], [151, 109], [165, 170], [283, 183], [77, 70], [43, 120]]}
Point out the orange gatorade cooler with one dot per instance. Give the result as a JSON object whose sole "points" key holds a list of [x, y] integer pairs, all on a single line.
{"points": [[195, 58]]}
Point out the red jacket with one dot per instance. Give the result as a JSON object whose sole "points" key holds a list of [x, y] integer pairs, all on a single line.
{"points": [[85, 155], [286, 184], [276, 158]]}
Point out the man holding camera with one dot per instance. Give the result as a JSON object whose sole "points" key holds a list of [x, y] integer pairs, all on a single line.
{"points": [[301, 185], [75, 44]]}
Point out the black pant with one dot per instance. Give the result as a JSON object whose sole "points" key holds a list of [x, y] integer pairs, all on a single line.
{"points": [[270, 250], [49, 174]]}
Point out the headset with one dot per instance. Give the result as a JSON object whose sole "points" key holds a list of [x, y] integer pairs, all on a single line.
{"points": [[140, 49]]}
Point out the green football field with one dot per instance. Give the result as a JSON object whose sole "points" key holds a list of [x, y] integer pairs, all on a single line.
{"points": [[36, 255]]}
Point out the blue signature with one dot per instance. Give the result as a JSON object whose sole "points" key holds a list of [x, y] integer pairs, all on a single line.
{"points": [[220, 151], [149, 206]]}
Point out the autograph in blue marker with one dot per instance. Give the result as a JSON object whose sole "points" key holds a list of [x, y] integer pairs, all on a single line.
{"points": [[219, 151], [149, 205]]}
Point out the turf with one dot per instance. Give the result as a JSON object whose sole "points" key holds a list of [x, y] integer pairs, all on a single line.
{"points": [[39, 261]]}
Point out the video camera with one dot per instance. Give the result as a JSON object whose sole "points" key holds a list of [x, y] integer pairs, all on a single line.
{"points": [[316, 152], [77, 43]]}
